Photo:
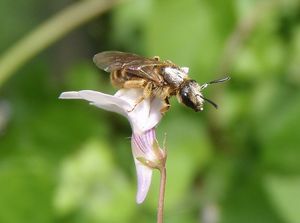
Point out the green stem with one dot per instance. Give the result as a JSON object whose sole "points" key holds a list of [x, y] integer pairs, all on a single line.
{"points": [[161, 200], [49, 32]]}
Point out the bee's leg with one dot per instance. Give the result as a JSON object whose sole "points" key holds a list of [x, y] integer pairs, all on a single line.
{"points": [[164, 94], [147, 90], [139, 83], [146, 94], [166, 106]]}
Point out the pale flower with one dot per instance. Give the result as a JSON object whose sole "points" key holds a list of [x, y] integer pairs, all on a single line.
{"points": [[143, 120]]}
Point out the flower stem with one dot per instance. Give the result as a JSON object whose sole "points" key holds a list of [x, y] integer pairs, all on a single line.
{"points": [[49, 32], [160, 211]]}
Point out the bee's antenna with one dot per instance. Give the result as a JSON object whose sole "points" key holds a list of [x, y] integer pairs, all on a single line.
{"points": [[219, 80], [209, 101], [214, 82]]}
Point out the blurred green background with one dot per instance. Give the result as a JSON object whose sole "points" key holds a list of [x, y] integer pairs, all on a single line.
{"points": [[65, 161]]}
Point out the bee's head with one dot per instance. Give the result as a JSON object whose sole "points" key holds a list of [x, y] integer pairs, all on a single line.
{"points": [[191, 96]]}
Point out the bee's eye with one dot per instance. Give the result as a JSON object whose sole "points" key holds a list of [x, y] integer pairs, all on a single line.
{"points": [[185, 98]]}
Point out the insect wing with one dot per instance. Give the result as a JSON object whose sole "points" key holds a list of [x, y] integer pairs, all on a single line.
{"points": [[137, 65], [114, 60]]}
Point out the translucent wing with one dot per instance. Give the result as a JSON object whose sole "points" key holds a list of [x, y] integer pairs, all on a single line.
{"points": [[137, 65]]}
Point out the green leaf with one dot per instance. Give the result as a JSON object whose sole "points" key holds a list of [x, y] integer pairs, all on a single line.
{"points": [[92, 188], [26, 190], [285, 196], [185, 33], [279, 135], [247, 202]]}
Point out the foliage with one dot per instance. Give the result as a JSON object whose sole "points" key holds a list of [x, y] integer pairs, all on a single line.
{"points": [[63, 161]]}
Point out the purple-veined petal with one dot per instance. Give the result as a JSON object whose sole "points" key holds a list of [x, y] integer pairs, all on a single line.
{"points": [[142, 144], [142, 148]]}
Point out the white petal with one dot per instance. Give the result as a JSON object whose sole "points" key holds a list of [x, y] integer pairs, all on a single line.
{"points": [[154, 114], [70, 95], [101, 100], [143, 117], [146, 115], [139, 116], [144, 176], [130, 95]]}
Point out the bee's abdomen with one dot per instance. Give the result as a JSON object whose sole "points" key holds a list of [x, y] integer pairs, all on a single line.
{"points": [[118, 78]]}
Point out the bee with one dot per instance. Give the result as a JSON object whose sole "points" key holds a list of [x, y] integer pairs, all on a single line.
{"points": [[157, 78]]}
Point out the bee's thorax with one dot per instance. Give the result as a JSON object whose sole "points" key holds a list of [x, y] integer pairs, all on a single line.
{"points": [[174, 76]]}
